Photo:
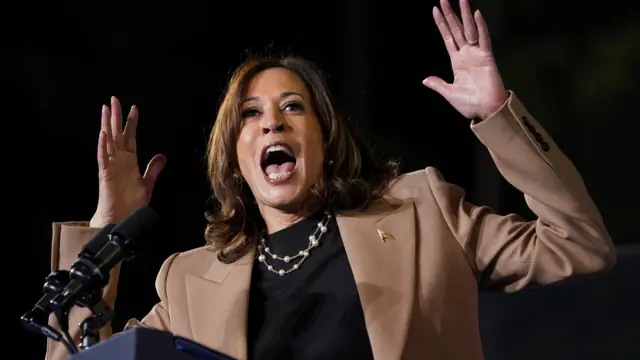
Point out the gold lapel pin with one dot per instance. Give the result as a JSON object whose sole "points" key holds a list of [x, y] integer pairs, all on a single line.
{"points": [[384, 236]]}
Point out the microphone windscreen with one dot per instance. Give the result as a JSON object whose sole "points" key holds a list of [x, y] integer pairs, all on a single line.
{"points": [[97, 242], [138, 226]]}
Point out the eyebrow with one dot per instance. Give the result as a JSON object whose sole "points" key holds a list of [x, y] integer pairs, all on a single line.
{"points": [[282, 96]]}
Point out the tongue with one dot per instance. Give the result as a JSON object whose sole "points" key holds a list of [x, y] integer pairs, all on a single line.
{"points": [[275, 169]]}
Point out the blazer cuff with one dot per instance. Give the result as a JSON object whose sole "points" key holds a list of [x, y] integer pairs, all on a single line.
{"points": [[67, 241], [510, 120]]}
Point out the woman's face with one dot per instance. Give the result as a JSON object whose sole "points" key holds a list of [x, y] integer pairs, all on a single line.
{"points": [[280, 145]]}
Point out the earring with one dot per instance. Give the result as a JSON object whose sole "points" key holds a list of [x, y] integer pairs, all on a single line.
{"points": [[238, 178], [330, 163]]}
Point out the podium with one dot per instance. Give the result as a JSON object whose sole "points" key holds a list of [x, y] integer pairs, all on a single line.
{"points": [[147, 344]]}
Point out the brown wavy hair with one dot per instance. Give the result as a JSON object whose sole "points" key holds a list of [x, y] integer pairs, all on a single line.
{"points": [[352, 179]]}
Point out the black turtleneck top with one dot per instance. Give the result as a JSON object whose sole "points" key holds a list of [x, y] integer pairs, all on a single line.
{"points": [[313, 312]]}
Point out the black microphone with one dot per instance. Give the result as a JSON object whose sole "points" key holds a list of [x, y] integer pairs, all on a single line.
{"points": [[97, 242], [36, 319], [90, 273]]}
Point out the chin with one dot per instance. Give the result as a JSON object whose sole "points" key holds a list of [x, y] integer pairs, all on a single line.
{"points": [[284, 197]]}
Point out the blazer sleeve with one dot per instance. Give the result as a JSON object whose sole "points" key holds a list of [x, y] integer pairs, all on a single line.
{"points": [[67, 240], [507, 252]]}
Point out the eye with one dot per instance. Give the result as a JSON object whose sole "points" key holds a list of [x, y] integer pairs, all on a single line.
{"points": [[294, 106], [247, 113]]}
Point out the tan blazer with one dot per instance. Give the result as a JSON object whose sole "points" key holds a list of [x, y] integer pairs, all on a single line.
{"points": [[419, 290]]}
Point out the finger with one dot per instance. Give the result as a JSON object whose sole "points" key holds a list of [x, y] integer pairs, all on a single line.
{"points": [[154, 168], [116, 122], [103, 154], [483, 32], [449, 42], [470, 30], [453, 22], [106, 127], [438, 85], [130, 127]]}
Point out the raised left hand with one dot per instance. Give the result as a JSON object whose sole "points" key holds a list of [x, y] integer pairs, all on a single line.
{"points": [[477, 90]]}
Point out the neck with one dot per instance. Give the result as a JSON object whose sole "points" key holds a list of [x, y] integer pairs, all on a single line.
{"points": [[278, 219]]}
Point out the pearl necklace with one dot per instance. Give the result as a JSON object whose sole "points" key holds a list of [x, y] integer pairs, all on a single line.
{"points": [[314, 241]]}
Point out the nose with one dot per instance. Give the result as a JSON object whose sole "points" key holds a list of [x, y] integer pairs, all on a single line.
{"points": [[273, 124]]}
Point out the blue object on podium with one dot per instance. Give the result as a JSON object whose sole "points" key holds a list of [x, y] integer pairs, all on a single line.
{"points": [[147, 344]]}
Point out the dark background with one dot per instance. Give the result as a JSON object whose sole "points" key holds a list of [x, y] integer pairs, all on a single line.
{"points": [[573, 64]]}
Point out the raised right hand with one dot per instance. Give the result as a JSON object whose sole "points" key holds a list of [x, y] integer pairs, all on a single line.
{"points": [[122, 189]]}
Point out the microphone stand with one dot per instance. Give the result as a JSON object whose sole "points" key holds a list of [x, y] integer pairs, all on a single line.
{"points": [[102, 316]]}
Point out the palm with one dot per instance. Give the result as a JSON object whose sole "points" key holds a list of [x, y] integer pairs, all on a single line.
{"points": [[122, 189], [477, 89], [122, 179]]}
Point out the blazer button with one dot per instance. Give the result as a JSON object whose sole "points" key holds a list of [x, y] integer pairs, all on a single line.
{"points": [[538, 137], [545, 146], [530, 127]]}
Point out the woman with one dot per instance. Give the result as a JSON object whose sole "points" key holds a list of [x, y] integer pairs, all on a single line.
{"points": [[317, 252]]}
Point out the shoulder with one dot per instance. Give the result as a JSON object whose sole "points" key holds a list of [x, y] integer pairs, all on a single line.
{"points": [[416, 184], [196, 262]]}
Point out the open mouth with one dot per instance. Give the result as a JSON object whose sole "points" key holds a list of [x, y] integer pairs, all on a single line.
{"points": [[278, 162]]}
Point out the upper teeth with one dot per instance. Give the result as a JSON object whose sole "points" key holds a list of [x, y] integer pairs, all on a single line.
{"points": [[273, 148]]}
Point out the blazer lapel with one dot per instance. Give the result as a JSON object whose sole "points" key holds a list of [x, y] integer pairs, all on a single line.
{"points": [[218, 304], [380, 246]]}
